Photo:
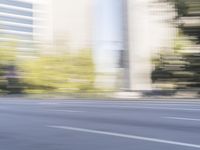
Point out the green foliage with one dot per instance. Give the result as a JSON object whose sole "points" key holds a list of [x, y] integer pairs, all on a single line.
{"points": [[59, 73], [179, 68], [9, 82], [181, 7]]}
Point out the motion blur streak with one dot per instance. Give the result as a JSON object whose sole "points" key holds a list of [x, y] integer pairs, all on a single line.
{"points": [[100, 47]]}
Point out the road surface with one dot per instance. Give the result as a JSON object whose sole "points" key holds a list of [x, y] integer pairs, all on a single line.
{"points": [[99, 125]]}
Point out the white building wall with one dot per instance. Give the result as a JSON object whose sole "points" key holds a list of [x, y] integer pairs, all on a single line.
{"points": [[63, 23], [149, 31], [72, 23]]}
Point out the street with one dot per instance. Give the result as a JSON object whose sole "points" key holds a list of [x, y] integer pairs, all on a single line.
{"points": [[99, 125]]}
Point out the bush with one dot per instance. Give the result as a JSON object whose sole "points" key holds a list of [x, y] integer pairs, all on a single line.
{"points": [[60, 73]]}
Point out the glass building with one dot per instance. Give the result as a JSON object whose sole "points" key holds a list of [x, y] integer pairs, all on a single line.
{"points": [[17, 22]]}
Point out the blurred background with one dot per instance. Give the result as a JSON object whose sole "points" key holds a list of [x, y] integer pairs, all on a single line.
{"points": [[90, 47]]}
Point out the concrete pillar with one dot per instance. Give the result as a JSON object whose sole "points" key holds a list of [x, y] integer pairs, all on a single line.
{"points": [[108, 40], [149, 30]]}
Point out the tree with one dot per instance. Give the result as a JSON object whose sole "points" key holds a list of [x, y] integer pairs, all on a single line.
{"points": [[179, 68], [181, 7]]}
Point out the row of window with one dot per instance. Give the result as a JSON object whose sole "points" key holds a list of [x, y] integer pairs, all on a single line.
{"points": [[17, 28], [17, 3], [13, 15], [16, 12], [16, 35], [16, 20]]}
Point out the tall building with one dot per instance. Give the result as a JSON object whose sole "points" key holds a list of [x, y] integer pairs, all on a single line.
{"points": [[16, 22], [24, 22]]}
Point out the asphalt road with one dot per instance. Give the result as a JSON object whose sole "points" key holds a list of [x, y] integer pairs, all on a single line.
{"points": [[99, 125]]}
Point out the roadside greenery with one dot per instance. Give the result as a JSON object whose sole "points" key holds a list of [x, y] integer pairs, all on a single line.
{"points": [[9, 81], [59, 73], [45, 73], [178, 68]]}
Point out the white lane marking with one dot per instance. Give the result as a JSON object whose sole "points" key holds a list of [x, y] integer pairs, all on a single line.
{"points": [[163, 101], [180, 118], [48, 103], [135, 137], [70, 111], [161, 108], [136, 107], [171, 104]]}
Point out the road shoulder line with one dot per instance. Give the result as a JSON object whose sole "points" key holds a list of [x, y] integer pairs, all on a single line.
{"points": [[121, 135]]}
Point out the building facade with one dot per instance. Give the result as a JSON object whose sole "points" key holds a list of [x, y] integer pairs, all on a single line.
{"points": [[20, 21], [71, 24], [16, 21]]}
